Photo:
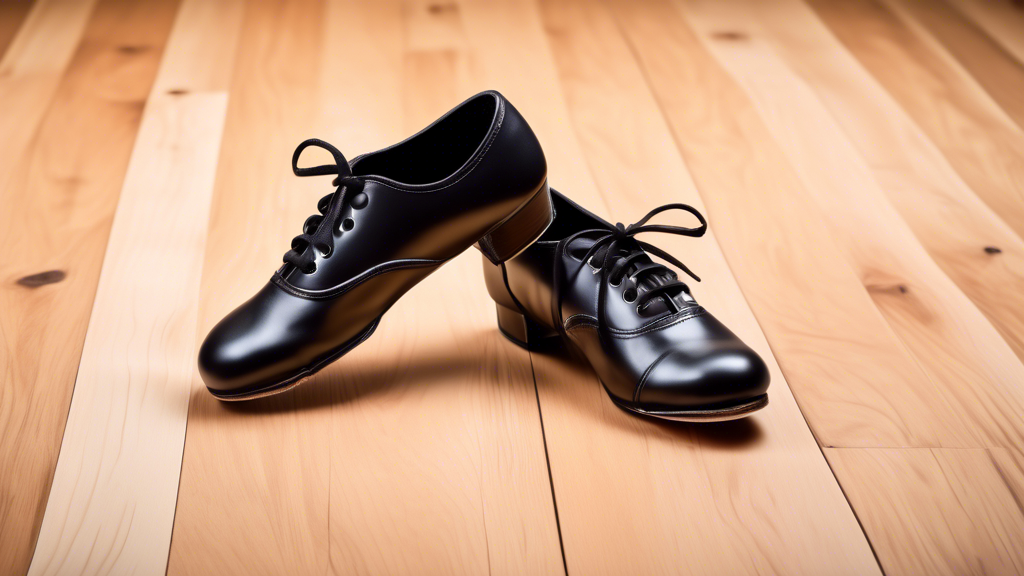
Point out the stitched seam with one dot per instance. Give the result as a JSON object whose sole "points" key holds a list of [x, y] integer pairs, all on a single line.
{"points": [[657, 325], [570, 332], [483, 154], [643, 379], [580, 319], [278, 280], [577, 319]]}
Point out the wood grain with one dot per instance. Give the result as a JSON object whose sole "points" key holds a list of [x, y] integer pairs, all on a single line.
{"points": [[253, 495], [941, 329], [436, 443], [997, 71], [1003, 20], [426, 438], [862, 167], [31, 71], [58, 206], [12, 14], [854, 379], [111, 505], [977, 137], [631, 493], [962, 519], [965, 238], [970, 363]]}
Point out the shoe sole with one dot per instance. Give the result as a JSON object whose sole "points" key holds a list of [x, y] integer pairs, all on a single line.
{"points": [[305, 373], [697, 414]]}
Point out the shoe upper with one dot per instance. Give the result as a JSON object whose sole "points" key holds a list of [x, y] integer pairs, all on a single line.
{"points": [[649, 341], [394, 217]]}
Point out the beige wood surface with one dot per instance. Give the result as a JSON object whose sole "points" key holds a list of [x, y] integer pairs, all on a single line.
{"points": [[958, 230], [996, 70], [426, 438], [112, 501], [57, 209], [934, 312], [862, 168], [977, 137], [31, 70], [978, 373], [962, 519], [817, 313], [672, 488]]}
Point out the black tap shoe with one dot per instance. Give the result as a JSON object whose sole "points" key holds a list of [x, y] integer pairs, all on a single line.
{"points": [[475, 176], [655, 349]]}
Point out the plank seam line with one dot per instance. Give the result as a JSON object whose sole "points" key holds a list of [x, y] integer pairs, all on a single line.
{"points": [[547, 460], [675, 138]]}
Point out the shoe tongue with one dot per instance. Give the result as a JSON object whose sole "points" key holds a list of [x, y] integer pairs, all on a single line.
{"points": [[580, 246]]}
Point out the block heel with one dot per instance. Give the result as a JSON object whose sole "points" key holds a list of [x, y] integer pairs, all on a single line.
{"points": [[517, 232], [520, 329]]}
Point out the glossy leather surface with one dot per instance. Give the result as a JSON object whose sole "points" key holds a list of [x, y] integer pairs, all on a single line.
{"points": [[665, 357], [421, 203]]}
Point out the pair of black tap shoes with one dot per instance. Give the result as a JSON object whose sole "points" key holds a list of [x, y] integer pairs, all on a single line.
{"points": [[477, 176]]}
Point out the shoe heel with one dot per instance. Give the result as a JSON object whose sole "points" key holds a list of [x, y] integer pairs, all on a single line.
{"points": [[522, 228], [520, 329]]}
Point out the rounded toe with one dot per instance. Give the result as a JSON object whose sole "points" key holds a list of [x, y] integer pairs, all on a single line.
{"points": [[238, 358], [224, 363], [725, 374]]}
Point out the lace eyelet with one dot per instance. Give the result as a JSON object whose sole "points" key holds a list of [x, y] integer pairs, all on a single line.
{"points": [[311, 270], [347, 224], [630, 295], [615, 284], [325, 252]]}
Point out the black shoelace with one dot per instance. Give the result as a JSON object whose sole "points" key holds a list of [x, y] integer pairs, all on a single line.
{"points": [[616, 250], [319, 229]]}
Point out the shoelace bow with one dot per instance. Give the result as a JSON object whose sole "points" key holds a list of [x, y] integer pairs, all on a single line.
{"points": [[616, 253], [315, 235]]}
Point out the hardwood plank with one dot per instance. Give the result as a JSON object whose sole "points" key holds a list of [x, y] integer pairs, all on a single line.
{"points": [[1001, 19], [421, 451], [966, 239], [253, 494], [12, 15], [58, 207], [475, 496], [111, 507], [971, 366], [854, 379], [980, 141], [634, 495], [31, 72], [970, 363], [961, 520], [997, 71]]}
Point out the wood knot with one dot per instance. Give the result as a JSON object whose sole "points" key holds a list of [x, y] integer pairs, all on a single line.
{"points": [[42, 278], [441, 8], [130, 49], [992, 250], [888, 289], [730, 36]]}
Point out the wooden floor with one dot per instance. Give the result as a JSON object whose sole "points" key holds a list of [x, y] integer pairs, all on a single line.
{"points": [[861, 163]]}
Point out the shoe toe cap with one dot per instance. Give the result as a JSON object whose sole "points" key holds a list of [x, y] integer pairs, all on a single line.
{"points": [[719, 374], [247, 350], [231, 360]]}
